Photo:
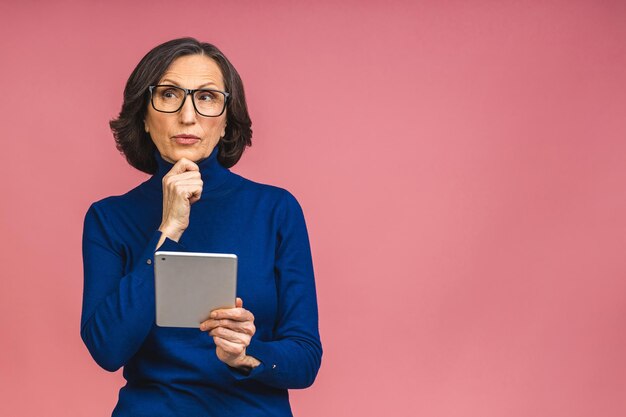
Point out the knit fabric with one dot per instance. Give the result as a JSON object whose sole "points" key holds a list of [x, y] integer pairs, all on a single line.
{"points": [[175, 371]]}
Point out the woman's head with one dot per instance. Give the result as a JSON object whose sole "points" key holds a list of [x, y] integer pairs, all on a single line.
{"points": [[188, 64]]}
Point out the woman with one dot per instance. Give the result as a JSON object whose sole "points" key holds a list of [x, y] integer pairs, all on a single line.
{"points": [[184, 120]]}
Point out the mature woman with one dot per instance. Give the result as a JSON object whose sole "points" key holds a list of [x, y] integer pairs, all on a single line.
{"points": [[184, 120]]}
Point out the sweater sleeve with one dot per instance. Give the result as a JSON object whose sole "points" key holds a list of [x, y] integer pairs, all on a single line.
{"points": [[293, 358], [118, 309]]}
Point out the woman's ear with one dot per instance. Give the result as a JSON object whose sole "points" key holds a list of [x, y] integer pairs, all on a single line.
{"points": [[145, 126]]}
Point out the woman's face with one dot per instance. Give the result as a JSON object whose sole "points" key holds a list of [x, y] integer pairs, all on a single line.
{"points": [[165, 129]]}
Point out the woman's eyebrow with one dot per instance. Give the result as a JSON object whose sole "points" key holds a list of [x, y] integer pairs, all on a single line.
{"points": [[167, 80]]}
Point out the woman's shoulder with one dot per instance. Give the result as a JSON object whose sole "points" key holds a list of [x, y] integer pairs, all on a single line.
{"points": [[130, 197], [268, 192], [122, 203]]}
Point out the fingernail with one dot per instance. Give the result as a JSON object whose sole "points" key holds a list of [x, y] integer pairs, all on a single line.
{"points": [[213, 315], [203, 326]]}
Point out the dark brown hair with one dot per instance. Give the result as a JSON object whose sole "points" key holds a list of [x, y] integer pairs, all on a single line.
{"points": [[128, 129]]}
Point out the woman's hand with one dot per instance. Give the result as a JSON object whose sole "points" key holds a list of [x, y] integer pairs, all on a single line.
{"points": [[182, 187], [232, 329]]}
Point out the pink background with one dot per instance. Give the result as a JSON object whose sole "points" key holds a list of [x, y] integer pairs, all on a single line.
{"points": [[461, 165]]}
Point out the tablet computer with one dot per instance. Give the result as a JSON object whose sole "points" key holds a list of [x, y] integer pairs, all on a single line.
{"points": [[189, 285]]}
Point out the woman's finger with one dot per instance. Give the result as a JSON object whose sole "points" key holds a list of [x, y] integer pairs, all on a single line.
{"points": [[230, 335], [183, 165], [188, 181], [246, 327], [172, 178], [234, 349], [238, 314]]}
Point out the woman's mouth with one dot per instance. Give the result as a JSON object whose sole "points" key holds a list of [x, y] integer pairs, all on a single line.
{"points": [[186, 139]]}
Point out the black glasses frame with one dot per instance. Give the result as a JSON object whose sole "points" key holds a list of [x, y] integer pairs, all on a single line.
{"points": [[188, 92]]}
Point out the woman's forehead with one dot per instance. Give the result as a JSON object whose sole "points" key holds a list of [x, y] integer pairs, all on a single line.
{"points": [[194, 71]]}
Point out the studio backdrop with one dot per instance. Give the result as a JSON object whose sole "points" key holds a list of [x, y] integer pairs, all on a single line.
{"points": [[461, 166]]}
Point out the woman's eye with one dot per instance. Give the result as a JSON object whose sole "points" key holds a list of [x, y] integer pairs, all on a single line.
{"points": [[206, 96], [171, 93]]}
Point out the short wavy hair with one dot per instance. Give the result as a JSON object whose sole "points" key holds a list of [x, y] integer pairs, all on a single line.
{"points": [[128, 128]]}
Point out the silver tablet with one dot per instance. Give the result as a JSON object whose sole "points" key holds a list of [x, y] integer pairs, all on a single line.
{"points": [[189, 285]]}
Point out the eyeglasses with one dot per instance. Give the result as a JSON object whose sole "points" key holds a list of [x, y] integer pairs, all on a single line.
{"points": [[170, 99]]}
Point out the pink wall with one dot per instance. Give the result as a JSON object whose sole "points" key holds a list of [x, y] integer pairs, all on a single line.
{"points": [[462, 166]]}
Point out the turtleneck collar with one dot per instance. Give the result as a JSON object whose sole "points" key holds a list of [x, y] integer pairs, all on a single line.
{"points": [[212, 172]]}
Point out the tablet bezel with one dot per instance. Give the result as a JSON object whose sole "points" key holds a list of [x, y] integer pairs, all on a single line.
{"points": [[189, 285]]}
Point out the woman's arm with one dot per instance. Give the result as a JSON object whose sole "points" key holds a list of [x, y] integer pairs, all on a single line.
{"points": [[118, 309], [293, 358]]}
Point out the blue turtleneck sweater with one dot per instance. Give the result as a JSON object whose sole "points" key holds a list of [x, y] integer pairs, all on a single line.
{"points": [[175, 371]]}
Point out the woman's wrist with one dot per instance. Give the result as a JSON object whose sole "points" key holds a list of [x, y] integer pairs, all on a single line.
{"points": [[251, 362], [167, 233], [247, 364], [171, 232]]}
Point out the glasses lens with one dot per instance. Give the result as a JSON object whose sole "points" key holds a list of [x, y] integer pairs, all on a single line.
{"points": [[167, 98], [209, 102]]}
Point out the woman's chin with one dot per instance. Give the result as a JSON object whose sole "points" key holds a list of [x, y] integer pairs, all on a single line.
{"points": [[191, 154]]}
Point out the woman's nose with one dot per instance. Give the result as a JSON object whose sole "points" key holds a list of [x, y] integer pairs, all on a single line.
{"points": [[187, 112]]}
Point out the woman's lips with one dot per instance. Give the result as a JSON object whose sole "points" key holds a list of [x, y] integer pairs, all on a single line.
{"points": [[186, 139]]}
